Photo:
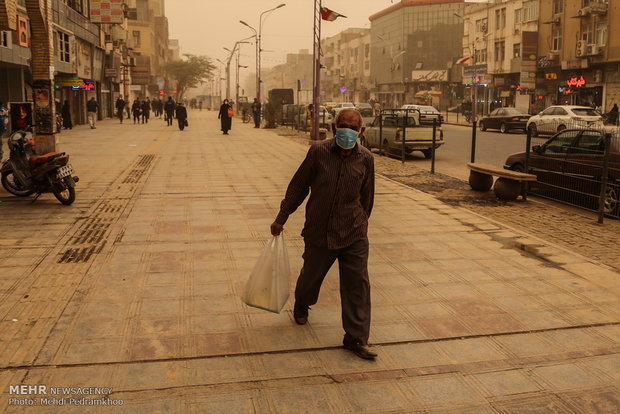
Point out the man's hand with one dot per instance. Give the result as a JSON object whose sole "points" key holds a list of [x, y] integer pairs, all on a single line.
{"points": [[276, 228]]}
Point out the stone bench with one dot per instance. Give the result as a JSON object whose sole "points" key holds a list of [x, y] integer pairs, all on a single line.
{"points": [[508, 185]]}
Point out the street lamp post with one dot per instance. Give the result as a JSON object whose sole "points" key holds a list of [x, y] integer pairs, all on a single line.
{"points": [[258, 46]]}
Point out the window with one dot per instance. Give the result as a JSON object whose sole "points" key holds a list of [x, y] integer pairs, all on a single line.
{"points": [[503, 12], [601, 33], [590, 142], [516, 50], [22, 31], [556, 42], [76, 5], [586, 33], [136, 38], [481, 55], [497, 20], [585, 3], [558, 6], [5, 39], [64, 54], [561, 142], [481, 25], [529, 11], [517, 16], [466, 27], [500, 51]]}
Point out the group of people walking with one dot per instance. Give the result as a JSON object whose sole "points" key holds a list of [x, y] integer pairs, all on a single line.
{"points": [[141, 110]]}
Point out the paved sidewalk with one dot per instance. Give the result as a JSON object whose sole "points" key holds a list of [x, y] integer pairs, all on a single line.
{"points": [[137, 287]]}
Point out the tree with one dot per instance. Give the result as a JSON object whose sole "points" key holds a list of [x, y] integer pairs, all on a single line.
{"points": [[190, 72]]}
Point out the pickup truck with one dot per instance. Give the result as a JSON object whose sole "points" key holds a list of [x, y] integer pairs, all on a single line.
{"points": [[418, 138]]}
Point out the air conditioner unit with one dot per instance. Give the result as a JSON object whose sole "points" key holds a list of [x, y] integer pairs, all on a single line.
{"points": [[581, 48], [584, 11], [592, 50], [553, 55]]}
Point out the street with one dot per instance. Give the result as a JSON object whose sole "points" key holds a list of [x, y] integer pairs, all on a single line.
{"points": [[137, 287]]}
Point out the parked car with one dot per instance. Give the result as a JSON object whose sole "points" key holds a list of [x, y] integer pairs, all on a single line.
{"points": [[570, 165], [365, 109], [339, 107], [504, 119], [427, 113], [559, 117], [389, 135], [325, 118]]}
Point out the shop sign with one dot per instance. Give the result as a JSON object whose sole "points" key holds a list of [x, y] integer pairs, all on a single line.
{"points": [[575, 64], [84, 86], [505, 94], [429, 75], [69, 82], [110, 72], [500, 81], [551, 76], [529, 46], [528, 74], [475, 69], [106, 11], [576, 82]]}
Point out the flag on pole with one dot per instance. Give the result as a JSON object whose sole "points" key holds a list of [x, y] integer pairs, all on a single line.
{"points": [[330, 15], [463, 60]]}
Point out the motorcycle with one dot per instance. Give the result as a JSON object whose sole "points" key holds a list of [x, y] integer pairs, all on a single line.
{"points": [[25, 173]]}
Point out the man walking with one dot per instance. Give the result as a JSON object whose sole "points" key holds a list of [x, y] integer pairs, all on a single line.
{"points": [[146, 110], [91, 107], [120, 107], [256, 112], [339, 174], [169, 109]]}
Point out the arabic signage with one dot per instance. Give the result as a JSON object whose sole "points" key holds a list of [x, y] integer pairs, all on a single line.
{"points": [[84, 86], [68, 82], [529, 60], [576, 82], [475, 69], [140, 76], [106, 11], [429, 75], [527, 79]]}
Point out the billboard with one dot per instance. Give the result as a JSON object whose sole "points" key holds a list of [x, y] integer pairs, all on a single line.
{"points": [[106, 11]]}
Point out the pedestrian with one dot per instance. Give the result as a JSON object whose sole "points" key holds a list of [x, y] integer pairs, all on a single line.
{"points": [[200, 105], [612, 117], [92, 106], [4, 122], [66, 116], [181, 113], [136, 108], [120, 107], [256, 112], [146, 110], [377, 108], [224, 116], [169, 108], [340, 174]]}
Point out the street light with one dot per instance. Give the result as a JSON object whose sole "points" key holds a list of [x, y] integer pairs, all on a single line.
{"points": [[258, 45], [236, 48], [219, 77]]}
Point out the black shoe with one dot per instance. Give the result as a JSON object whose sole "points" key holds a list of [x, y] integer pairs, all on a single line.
{"points": [[359, 349], [300, 313]]}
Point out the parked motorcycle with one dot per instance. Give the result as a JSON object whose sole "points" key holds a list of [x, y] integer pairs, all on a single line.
{"points": [[25, 173]]}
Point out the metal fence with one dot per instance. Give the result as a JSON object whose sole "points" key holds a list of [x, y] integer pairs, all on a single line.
{"points": [[297, 117], [576, 163]]}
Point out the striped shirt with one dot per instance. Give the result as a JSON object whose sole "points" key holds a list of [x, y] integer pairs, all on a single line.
{"points": [[341, 195]]}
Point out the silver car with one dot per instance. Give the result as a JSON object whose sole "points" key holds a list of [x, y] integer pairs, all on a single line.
{"points": [[557, 118]]}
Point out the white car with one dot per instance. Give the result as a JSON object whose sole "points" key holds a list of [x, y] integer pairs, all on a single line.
{"points": [[559, 117], [427, 113], [339, 107]]}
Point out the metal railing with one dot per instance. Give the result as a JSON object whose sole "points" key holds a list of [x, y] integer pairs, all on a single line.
{"points": [[579, 164]]}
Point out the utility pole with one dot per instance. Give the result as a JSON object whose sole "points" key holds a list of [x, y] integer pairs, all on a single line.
{"points": [[316, 73]]}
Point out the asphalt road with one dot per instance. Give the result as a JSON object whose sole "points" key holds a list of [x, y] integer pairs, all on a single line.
{"points": [[452, 157]]}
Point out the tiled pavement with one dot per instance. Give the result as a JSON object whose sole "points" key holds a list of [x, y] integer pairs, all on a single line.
{"points": [[137, 287]]}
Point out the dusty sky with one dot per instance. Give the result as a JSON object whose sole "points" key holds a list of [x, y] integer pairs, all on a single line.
{"points": [[203, 27]]}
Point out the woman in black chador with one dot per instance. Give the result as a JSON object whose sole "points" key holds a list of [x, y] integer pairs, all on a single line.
{"points": [[66, 116], [223, 116]]}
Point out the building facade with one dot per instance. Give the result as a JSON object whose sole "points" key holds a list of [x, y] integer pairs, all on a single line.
{"points": [[579, 54], [414, 47], [346, 67], [501, 39], [295, 74]]}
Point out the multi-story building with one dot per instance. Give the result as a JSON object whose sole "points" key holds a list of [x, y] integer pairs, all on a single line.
{"points": [[414, 45], [295, 74], [346, 59], [578, 58], [148, 37], [500, 37], [14, 52]]}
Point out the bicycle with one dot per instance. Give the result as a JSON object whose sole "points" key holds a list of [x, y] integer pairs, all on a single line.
{"points": [[246, 117]]}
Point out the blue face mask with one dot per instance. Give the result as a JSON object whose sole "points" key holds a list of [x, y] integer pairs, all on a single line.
{"points": [[346, 138]]}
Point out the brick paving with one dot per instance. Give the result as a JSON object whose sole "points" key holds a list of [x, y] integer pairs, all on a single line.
{"points": [[137, 287]]}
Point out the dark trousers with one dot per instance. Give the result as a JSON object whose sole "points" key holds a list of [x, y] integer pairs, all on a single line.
{"points": [[256, 119], [169, 117], [354, 284]]}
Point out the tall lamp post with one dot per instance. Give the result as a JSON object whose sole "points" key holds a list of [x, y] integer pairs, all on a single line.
{"points": [[219, 82], [236, 48], [258, 45]]}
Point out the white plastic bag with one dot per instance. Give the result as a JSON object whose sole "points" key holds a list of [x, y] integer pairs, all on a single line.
{"points": [[268, 287]]}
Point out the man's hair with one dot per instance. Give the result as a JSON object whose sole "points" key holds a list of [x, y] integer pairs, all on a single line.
{"points": [[347, 110]]}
